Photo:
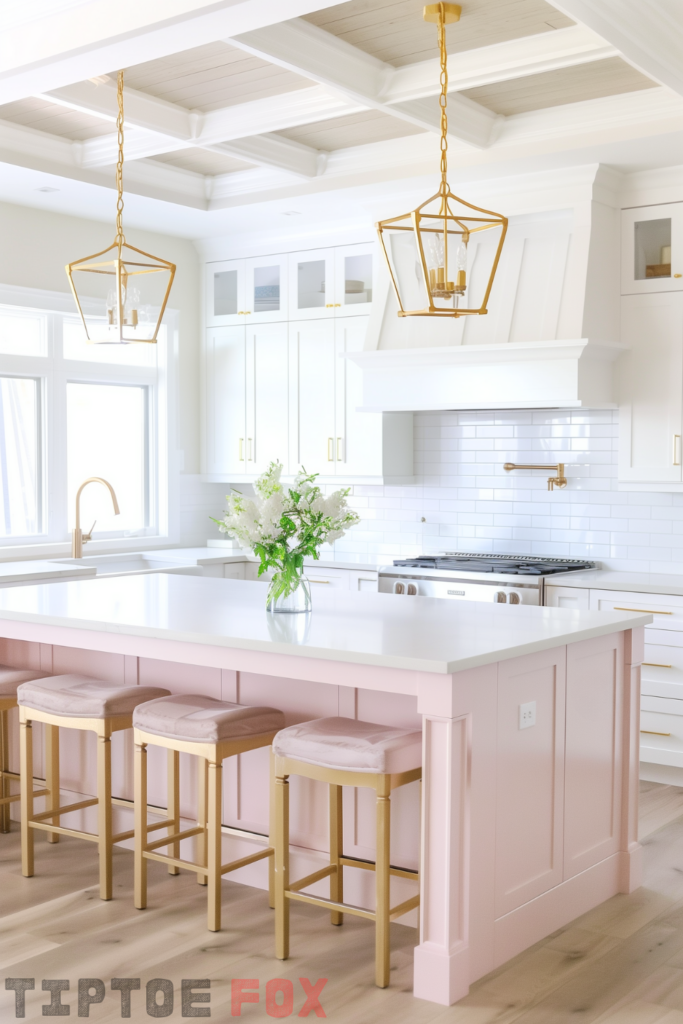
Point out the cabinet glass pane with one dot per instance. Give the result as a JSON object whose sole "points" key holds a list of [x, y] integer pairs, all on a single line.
{"points": [[357, 279], [225, 293], [311, 284], [652, 248], [266, 289]]}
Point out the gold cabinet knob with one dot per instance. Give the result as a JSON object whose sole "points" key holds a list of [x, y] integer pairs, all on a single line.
{"points": [[678, 275]]}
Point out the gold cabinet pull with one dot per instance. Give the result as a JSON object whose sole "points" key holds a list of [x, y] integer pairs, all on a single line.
{"points": [[251, 457], [655, 664], [340, 441], [241, 458], [330, 449], [651, 732], [329, 305], [337, 305], [676, 459], [678, 275], [317, 581], [646, 611]]}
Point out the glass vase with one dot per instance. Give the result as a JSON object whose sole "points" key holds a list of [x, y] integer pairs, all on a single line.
{"points": [[293, 598]]}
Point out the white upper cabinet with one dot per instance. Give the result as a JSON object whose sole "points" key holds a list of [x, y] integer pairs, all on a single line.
{"points": [[267, 391], [652, 249], [311, 284], [225, 448], [354, 275], [329, 283], [651, 389], [247, 291]]}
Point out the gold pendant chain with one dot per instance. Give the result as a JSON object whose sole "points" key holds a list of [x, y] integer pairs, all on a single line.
{"points": [[443, 98], [120, 237]]}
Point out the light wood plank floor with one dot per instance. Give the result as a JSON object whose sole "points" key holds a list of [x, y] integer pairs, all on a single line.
{"points": [[621, 963]]}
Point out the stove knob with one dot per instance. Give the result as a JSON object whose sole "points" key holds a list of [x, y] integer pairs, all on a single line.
{"points": [[399, 588], [411, 589], [515, 597], [500, 597]]}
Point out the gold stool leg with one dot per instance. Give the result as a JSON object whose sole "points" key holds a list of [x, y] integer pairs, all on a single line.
{"points": [[4, 767], [140, 802], [202, 787], [271, 833], [26, 782], [382, 879], [173, 803], [336, 851], [104, 816], [281, 867], [52, 776], [213, 836]]}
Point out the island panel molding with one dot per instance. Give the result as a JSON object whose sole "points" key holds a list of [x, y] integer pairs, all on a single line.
{"points": [[484, 898]]}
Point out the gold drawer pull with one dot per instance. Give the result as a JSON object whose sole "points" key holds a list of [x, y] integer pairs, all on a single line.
{"points": [[318, 581], [651, 732], [330, 449], [655, 664], [647, 611]]}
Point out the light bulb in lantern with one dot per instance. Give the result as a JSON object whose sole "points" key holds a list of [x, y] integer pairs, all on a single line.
{"points": [[435, 255], [461, 265]]}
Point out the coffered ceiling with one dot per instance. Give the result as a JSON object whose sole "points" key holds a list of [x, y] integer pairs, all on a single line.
{"points": [[242, 101]]}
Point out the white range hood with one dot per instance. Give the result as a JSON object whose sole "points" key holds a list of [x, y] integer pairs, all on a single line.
{"points": [[522, 375], [551, 337]]}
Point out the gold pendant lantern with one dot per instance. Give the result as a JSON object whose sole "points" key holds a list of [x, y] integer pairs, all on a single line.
{"points": [[132, 303], [429, 250]]}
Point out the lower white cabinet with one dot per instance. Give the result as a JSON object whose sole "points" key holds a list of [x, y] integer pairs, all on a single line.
{"points": [[285, 391], [567, 597]]}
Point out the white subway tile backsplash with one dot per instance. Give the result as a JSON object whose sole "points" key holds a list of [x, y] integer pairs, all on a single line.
{"points": [[472, 504]]}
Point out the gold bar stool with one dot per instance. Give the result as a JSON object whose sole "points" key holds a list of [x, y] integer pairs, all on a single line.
{"points": [[74, 702], [10, 678], [211, 730], [343, 752]]}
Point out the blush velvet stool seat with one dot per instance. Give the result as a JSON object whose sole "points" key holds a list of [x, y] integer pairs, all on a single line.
{"points": [[74, 702], [211, 730], [10, 678], [343, 752]]}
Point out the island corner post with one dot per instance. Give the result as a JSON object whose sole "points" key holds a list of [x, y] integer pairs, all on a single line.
{"points": [[522, 831]]}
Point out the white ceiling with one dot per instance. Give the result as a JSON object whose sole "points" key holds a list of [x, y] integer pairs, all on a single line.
{"points": [[252, 116]]}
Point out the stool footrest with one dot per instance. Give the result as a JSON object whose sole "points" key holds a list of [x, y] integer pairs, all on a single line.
{"points": [[247, 860], [62, 831], [369, 865], [315, 876], [320, 901], [160, 824], [9, 799], [120, 836], [404, 907], [176, 837], [163, 858], [55, 812]]}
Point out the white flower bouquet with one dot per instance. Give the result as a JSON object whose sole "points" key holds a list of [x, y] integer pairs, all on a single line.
{"points": [[285, 525]]}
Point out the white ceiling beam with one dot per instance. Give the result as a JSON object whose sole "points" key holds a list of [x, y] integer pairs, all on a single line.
{"points": [[141, 109], [516, 58], [318, 55], [98, 36], [275, 151], [649, 35]]}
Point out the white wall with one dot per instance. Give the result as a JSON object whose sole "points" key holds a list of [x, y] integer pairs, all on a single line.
{"points": [[37, 245], [471, 504]]}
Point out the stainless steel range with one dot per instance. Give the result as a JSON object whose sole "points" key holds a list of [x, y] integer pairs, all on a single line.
{"points": [[505, 579]]}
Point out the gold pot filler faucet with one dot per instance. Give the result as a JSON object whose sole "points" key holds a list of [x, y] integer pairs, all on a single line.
{"points": [[78, 538]]}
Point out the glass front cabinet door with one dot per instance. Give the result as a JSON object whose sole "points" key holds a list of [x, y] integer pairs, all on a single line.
{"points": [[311, 284], [652, 249], [246, 291], [354, 269], [225, 293]]}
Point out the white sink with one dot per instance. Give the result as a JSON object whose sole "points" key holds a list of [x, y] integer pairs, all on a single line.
{"points": [[129, 565]]}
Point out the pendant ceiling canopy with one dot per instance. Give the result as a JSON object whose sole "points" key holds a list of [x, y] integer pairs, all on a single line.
{"points": [[132, 286], [430, 251]]}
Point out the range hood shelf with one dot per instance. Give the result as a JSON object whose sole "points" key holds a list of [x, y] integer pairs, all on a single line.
{"points": [[522, 375]]}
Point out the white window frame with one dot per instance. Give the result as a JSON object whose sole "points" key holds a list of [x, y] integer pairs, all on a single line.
{"points": [[54, 372]]}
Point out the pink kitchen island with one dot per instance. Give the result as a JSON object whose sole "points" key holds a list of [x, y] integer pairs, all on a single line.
{"points": [[530, 722]]}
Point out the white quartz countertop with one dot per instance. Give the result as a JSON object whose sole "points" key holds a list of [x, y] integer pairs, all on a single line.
{"points": [[221, 556], [41, 569], [606, 579], [426, 635]]}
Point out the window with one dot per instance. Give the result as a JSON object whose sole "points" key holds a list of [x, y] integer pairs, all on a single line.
{"points": [[70, 410], [19, 456]]}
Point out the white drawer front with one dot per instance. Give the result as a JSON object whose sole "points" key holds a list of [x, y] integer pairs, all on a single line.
{"points": [[320, 578], [664, 637], [567, 597], [234, 571], [661, 732], [667, 611]]}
